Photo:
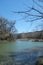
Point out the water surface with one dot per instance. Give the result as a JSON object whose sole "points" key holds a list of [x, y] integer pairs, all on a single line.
{"points": [[20, 52], [18, 46]]}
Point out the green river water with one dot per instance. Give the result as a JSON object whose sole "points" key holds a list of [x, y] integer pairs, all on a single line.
{"points": [[18, 46], [20, 52]]}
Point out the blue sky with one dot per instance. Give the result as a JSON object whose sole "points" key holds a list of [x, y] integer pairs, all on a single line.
{"points": [[6, 8]]}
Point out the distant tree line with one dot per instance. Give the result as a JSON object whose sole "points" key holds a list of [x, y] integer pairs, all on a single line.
{"points": [[31, 35]]}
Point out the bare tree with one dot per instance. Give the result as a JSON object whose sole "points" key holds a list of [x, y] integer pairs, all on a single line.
{"points": [[34, 13], [7, 29], [7, 26]]}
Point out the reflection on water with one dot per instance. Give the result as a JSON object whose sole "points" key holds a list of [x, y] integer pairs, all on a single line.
{"points": [[20, 52], [21, 58]]}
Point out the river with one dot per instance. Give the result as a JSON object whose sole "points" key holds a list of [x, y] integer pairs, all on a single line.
{"points": [[23, 52]]}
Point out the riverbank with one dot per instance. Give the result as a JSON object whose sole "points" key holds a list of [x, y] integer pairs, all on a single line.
{"points": [[7, 41], [36, 40], [32, 40], [36, 36]]}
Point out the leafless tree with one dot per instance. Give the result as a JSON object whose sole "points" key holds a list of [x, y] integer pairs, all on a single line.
{"points": [[34, 13], [7, 26]]}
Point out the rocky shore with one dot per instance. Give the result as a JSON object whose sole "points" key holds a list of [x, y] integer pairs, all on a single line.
{"points": [[36, 40], [39, 61], [32, 40]]}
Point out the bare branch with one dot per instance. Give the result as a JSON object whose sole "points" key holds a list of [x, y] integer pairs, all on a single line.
{"points": [[36, 19], [22, 12], [38, 4], [37, 11]]}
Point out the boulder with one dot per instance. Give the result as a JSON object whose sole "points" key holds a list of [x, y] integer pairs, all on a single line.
{"points": [[39, 61]]}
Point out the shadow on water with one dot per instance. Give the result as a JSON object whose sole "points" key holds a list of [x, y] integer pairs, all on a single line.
{"points": [[21, 58]]}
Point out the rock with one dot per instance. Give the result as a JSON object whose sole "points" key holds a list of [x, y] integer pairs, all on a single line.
{"points": [[39, 61]]}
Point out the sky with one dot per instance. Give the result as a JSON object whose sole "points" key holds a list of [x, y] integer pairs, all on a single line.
{"points": [[6, 10]]}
